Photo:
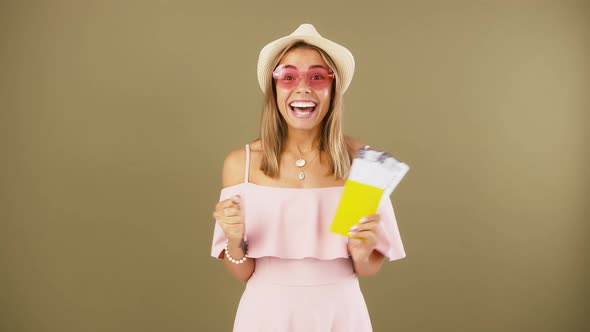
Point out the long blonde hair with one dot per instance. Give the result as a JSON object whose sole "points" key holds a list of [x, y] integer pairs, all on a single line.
{"points": [[273, 128]]}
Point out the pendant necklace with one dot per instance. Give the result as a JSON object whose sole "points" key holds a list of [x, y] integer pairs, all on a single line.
{"points": [[301, 163]]}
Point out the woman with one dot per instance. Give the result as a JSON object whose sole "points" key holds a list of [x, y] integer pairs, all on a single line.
{"points": [[280, 194]]}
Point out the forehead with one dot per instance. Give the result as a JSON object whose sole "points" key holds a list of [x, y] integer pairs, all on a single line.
{"points": [[303, 58]]}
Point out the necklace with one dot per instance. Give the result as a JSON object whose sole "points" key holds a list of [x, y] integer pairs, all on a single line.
{"points": [[301, 163]]}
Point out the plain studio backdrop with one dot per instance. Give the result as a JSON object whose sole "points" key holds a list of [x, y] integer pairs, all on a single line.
{"points": [[116, 116]]}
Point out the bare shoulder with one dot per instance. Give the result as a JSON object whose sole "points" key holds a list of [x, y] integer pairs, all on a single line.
{"points": [[353, 145], [234, 166]]}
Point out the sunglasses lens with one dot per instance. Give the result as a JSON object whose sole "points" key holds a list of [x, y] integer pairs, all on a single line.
{"points": [[286, 77], [319, 78]]}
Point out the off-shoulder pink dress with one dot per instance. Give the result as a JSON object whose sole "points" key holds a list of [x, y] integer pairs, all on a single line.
{"points": [[303, 279]]}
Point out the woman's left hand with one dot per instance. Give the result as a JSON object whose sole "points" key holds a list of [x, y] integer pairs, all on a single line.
{"points": [[364, 238]]}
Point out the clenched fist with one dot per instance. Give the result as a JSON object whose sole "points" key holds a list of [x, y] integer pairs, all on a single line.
{"points": [[229, 216]]}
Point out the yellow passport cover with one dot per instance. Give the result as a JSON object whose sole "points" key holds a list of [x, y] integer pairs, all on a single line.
{"points": [[358, 200]]}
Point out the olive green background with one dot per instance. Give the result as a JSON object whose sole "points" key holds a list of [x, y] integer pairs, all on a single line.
{"points": [[116, 116]]}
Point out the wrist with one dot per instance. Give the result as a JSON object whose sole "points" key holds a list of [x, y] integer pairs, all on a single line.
{"points": [[362, 259], [236, 252], [235, 241]]}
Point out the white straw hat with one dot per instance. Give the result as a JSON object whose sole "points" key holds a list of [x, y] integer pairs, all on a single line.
{"points": [[341, 56]]}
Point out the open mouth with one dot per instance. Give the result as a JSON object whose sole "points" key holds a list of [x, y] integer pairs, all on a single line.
{"points": [[302, 109]]}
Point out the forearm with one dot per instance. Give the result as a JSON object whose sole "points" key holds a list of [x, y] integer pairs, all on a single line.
{"points": [[370, 265], [241, 271]]}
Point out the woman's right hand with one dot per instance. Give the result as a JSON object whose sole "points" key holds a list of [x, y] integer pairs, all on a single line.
{"points": [[229, 216]]}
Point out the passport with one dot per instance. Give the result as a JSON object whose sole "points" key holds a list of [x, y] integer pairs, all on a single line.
{"points": [[372, 174]]}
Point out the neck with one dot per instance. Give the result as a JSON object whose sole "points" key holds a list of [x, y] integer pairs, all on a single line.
{"points": [[302, 142]]}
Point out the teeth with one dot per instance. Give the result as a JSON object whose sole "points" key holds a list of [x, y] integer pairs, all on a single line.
{"points": [[303, 104]]}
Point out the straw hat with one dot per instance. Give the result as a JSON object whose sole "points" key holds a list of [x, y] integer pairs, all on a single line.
{"points": [[306, 32]]}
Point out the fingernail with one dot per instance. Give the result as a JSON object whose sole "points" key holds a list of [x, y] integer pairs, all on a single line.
{"points": [[352, 233], [363, 219], [226, 212], [353, 228]]}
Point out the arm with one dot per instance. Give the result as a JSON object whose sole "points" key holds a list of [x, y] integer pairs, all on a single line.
{"points": [[228, 214], [241, 272], [362, 246], [366, 260]]}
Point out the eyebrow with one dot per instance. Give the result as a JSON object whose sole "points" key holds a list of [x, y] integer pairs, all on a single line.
{"points": [[314, 66]]}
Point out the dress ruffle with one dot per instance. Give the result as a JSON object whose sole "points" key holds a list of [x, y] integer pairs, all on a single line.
{"points": [[294, 223]]}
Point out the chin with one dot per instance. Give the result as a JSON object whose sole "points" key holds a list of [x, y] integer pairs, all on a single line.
{"points": [[304, 124]]}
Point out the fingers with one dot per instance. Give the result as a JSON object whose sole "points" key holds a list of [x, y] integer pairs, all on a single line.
{"points": [[234, 200], [367, 228], [369, 222], [369, 237], [228, 210], [228, 206], [370, 218], [231, 211], [228, 215]]}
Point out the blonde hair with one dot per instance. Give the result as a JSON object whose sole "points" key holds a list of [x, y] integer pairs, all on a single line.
{"points": [[273, 128]]}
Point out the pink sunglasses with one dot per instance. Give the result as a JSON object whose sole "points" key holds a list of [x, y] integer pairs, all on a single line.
{"points": [[288, 77]]}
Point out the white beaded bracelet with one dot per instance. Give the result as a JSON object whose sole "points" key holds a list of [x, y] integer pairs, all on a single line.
{"points": [[231, 259]]}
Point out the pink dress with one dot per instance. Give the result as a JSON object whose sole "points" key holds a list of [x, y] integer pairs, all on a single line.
{"points": [[303, 279]]}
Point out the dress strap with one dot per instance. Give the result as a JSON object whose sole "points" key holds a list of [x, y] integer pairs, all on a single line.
{"points": [[247, 171]]}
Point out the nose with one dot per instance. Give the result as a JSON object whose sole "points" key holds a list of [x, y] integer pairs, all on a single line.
{"points": [[302, 85]]}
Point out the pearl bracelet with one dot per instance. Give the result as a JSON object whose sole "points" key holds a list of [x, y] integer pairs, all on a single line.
{"points": [[231, 259]]}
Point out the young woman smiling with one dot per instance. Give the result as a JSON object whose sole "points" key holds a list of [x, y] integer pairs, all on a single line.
{"points": [[280, 194]]}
